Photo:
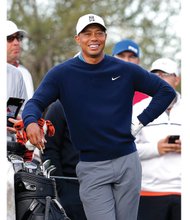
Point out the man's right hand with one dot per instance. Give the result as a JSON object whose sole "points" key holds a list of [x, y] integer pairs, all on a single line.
{"points": [[35, 135]]}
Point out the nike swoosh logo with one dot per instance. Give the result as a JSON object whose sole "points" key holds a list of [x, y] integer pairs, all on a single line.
{"points": [[114, 78]]}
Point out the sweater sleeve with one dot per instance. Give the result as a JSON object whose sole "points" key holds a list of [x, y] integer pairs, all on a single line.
{"points": [[157, 106], [46, 93], [162, 95]]}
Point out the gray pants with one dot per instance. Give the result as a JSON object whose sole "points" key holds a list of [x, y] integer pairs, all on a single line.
{"points": [[109, 190]]}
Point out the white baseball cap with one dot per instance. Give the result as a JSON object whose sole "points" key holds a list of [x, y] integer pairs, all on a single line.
{"points": [[12, 28], [166, 65], [85, 20]]}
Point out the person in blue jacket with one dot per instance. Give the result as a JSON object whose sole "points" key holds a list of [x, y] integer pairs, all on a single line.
{"points": [[96, 91]]}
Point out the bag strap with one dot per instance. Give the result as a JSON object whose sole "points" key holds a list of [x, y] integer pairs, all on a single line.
{"points": [[47, 207], [31, 208], [38, 205], [61, 209]]}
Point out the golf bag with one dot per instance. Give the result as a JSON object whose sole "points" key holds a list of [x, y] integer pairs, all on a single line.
{"points": [[35, 198]]}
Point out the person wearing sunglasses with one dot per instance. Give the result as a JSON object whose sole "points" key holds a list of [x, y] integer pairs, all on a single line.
{"points": [[19, 85], [14, 49]]}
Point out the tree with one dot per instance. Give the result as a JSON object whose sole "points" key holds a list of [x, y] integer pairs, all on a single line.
{"points": [[51, 28]]}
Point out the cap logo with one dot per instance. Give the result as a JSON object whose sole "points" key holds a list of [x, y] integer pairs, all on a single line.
{"points": [[133, 49], [91, 18]]}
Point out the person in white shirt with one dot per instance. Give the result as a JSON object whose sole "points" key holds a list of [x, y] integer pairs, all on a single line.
{"points": [[14, 49], [15, 83], [15, 88], [161, 161]]}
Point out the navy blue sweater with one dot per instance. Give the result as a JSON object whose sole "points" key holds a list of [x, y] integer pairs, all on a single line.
{"points": [[97, 100]]}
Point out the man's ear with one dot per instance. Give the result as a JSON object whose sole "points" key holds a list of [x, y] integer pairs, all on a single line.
{"points": [[177, 80], [77, 39]]}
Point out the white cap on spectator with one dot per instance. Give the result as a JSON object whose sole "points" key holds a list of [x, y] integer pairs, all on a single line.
{"points": [[166, 65], [12, 28]]}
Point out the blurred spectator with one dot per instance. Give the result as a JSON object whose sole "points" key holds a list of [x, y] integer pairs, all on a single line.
{"points": [[161, 160], [14, 48], [15, 88]]}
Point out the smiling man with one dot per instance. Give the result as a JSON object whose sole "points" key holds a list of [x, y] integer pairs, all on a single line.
{"points": [[96, 91], [91, 38]]}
